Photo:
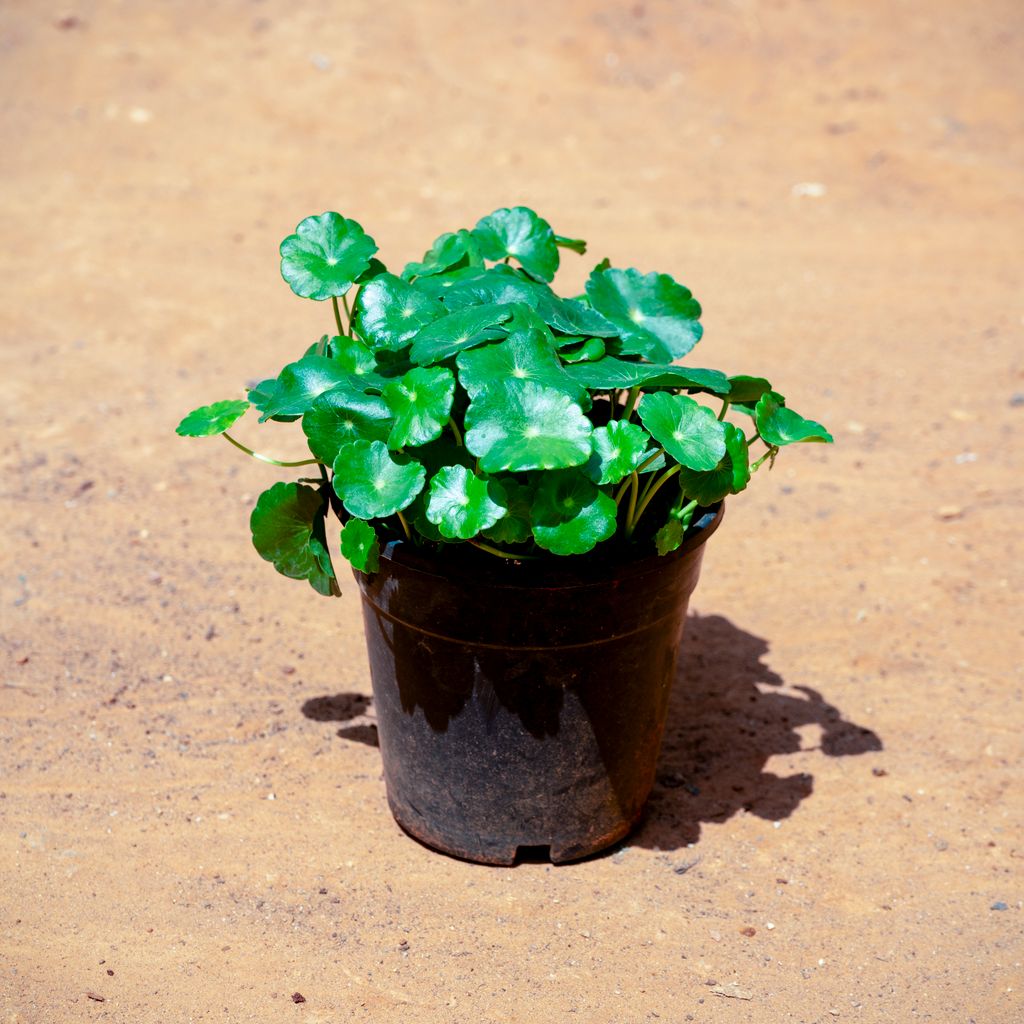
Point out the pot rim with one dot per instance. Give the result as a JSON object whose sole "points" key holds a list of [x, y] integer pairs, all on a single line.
{"points": [[549, 573]]}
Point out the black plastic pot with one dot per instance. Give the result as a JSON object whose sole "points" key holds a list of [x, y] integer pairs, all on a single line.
{"points": [[523, 705]]}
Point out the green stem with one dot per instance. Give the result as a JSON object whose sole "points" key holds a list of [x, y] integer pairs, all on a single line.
{"points": [[772, 451], [634, 394], [267, 458], [405, 527], [650, 459], [634, 489], [613, 405], [725, 408], [501, 554], [647, 487], [455, 431], [349, 312], [337, 314], [659, 483]]}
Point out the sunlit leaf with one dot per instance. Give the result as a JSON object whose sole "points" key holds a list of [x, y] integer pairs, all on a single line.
{"points": [[781, 426], [209, 420], [298, 385], [288, 530], [461, 504], [421, 403], [589, 351], [570, 515], [655, 317], [450, 251], [730, 476], [688, 431], [621, 373], [372, 483], [360, 546], [525, 426], [391, 311], [342, 415], [523, 355], [518, 232], [619, 448], [325, 256]]}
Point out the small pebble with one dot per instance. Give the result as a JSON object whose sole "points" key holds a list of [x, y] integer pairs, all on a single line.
{"points": [[749, 932], [950, 512], [298, 997], [1000, 905], [879, 773]]}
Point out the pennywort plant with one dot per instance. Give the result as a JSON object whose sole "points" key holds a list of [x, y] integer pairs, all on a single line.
{"points": [[463, 404]]}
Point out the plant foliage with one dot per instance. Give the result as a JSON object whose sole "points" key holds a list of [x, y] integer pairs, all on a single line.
{"points": [[465, 404]]}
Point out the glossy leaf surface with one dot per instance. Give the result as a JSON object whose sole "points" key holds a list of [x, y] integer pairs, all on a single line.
{"points": [[619, 447], [781, 426], [523, 355], [688, 431], [372, 483], [210, 420], [360, 546], [570, 515], [391, 312], [611, 372], [457, 331], [730, 476], [515, 526], [518, 232], [461, 504], [421, 403], [341, 416], [298, 386], [325, 256], [452, 250]]}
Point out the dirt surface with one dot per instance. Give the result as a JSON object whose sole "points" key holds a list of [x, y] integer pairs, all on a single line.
{"points": [[192, 818]]}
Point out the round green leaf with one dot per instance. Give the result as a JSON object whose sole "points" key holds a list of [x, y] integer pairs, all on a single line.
{"points": [[730, 476], [341, 416], [686, 430], [459, 330], [325, 256], [525, 426], [351, 355], [421, 403], [589, 351], [288, 530], [298, 386], [518, 232], [570, 515], [747, 389], [619, 448], [781, 426], [571, 316], [515, 526], [523, 355], [622, 373], [461, 504], [450, 251], [360, 546], [656, 317], [391, 311], [671, 535], [209, 420], [372, 483]]}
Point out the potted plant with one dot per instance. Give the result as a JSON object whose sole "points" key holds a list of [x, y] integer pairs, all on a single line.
{"points": [[525, 483]]}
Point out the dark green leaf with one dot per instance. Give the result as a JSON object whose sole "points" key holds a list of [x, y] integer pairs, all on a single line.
{"points": [[287, 529], [391, 311], [671, 535], [372, 483], [208, 420], [375, 269], [461, 504], [451, 251], [619, 448], [571, 316], [730, 476], [325, 256], [747, 389], [342, 415], [686, 430], [360, 546], [421, 403], [570, 515], [457, 331], [656, 317], [501, 286], [523, 355], [575, 244], [518, 232], [590, 351], [299, 384], [525, 426], [610, 373], [515, 526], [781, 426]]}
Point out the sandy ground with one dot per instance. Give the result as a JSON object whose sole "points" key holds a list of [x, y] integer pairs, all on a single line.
{"points": [[192, 817]]}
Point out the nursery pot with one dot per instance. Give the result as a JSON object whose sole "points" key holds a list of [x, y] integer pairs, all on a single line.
{"points": [[522, 705]]}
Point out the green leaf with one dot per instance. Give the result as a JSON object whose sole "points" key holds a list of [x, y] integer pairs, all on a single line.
{"points": [[747, 389], [515, 526], [360, 546], [341, 416], [209, 420], [298, 385], [372, 483], [570, 316], [590, 351], [374, 269], [686, 430], [781, 426], [325, 256], [523, 355], [575, 244], [450, 251], [460, 330], [518, 232], [671, 535], [421, 403], [621, 373], [656, 317], [730, 476], [570, 515], [288, 530], [391, 311], [351, 354], [461, 504], [619, 448], [525, 426]]}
